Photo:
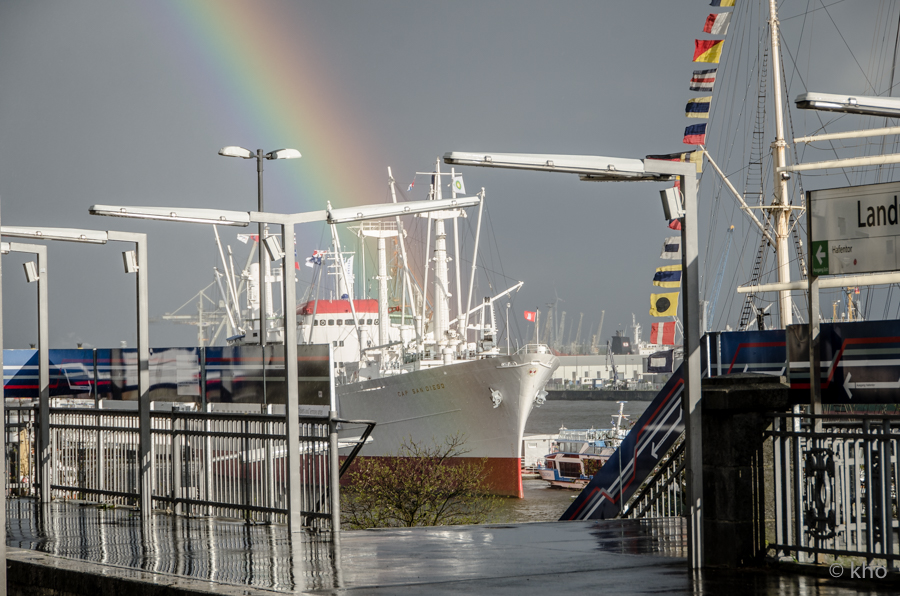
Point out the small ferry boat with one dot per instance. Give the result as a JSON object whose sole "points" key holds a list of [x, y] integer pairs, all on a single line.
{"points": [[578, 454]]}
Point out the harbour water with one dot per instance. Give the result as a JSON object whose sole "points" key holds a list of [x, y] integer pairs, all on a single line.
{"points": [[541, 502]]}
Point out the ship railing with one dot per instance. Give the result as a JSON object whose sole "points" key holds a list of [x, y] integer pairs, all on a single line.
{"points": [[230, 465], [663, 493], [835, 490], [534, 349]]}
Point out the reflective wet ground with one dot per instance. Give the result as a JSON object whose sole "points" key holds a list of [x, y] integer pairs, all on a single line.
{"points": [[616, 557]]}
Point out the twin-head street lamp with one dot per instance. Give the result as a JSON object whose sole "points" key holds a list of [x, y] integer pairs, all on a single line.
{"points": [[232, 151], [135, 261], [619, 169], [287, 222]]}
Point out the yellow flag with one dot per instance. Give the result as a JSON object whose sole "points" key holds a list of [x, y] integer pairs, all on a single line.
{"points": [[696, 157], [664, 305], [668, 276]]}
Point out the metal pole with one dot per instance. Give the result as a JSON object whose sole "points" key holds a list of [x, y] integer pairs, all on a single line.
{"points": [[46, 457], [334, 477], [3, 476], [44, 451], [263, 230], [145, 445], [815, 364], [291, 409], [693, 436]]}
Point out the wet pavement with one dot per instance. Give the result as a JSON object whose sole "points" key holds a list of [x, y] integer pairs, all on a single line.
{"points": [[617, 557]]}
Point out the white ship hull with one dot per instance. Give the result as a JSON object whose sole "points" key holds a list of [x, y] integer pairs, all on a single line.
{"points": [[430, 404]]}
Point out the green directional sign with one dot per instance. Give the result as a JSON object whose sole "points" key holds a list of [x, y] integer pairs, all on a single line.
{"points": [[818, 257]]}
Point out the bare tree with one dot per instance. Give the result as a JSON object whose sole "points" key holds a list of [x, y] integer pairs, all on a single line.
{"points": [[421, 485]]}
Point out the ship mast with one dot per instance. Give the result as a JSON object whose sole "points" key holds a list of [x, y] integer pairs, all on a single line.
{"points": [[780, 209], [441, 278]]}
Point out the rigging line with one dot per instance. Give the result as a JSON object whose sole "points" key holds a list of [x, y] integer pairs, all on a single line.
{"points": [[822, 126], [803, 14], [890, 88], [841, 35]]}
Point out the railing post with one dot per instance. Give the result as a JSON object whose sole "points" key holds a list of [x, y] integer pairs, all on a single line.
{"points": [[870, 501], [207, 463], [886, 509], [777, 455], [334, 475], [269, 465], [796, 484], [101, 456], [177, 471]]}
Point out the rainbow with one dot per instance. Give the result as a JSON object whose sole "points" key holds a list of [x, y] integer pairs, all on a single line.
{"points": [[259, 70]]}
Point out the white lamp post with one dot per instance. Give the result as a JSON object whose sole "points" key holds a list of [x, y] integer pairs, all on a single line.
{"points": [[232, 151], [143, 332], [287, 222], [600, 168], [44, 455]]}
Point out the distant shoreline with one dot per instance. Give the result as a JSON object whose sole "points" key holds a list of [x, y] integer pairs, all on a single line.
{"points": [[601, 395]]}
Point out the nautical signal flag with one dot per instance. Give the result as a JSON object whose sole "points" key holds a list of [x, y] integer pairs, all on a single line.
{"points": [[675, 224], [662, 334], [664, 305], [703, 80], [723, 3], [708, 50], [695, 134], [695, 157], [668, 276], [671, 248], [717, 23], [530, 316], [458, 184], [698, 107], [661, 362]]}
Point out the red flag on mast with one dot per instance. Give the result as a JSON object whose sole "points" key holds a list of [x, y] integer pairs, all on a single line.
{"points": [[530, 316]]}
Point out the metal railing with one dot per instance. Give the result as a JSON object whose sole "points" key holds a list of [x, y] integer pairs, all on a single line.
{"points": [[663, 493], [836, 481], [228, 465]]}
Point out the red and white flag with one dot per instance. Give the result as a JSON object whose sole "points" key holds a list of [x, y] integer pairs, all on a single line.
{"points": [[530, 316], [662, 334]]}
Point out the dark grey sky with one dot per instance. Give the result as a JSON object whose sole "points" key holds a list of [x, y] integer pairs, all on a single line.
{"points": [[128, 103]]}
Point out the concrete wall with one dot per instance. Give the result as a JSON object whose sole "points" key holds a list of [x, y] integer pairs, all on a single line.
{"points": [[738, 491]]}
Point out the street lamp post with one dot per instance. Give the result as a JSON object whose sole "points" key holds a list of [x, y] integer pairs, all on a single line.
{"points": [[143, 332], [598, 168], [44, 458], [287, 222], [232, 151]]}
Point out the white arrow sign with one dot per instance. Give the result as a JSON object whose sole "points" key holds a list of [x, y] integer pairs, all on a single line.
{"points": [[820, 254], [654, 447], [870, 385]]}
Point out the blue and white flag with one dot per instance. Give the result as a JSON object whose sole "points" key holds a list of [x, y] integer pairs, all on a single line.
{"points": [[661, 362], [668, 276], [316, 258], [671, 248]]}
